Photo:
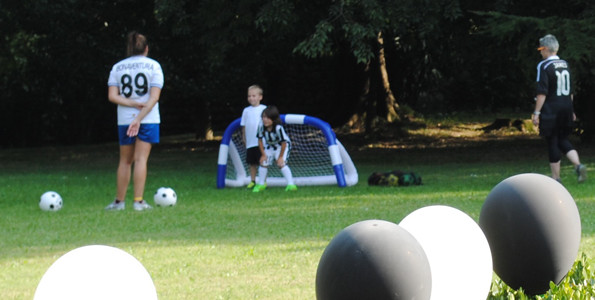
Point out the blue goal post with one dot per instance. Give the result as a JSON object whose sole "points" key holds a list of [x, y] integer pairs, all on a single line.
{"points": [[316, 156]]}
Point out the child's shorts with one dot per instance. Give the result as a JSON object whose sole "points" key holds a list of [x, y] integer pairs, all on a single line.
{"points": [[272, 156], [253, 156]]}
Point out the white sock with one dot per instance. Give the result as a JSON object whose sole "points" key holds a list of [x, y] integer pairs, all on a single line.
{"points": [[287, 174], [262, 175]]}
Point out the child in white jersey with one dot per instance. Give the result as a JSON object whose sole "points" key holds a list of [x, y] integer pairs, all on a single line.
{"points": [[251, 118], [274, 145]]}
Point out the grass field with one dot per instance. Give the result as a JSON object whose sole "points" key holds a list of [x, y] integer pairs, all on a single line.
{"points": [[234, 244]]}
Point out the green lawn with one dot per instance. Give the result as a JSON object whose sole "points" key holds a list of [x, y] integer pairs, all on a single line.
{"points": [[231, 243]]}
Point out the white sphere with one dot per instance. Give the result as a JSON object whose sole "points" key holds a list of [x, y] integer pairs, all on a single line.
{"points": [[50, 201], [96, 272], [165, 196], [457, 250]]}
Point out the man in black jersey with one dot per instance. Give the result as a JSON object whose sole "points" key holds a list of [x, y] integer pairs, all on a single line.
{"points": [[554, 112]]}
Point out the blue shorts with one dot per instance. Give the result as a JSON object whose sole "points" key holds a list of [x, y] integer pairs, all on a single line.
{"points": [[147, 133]]}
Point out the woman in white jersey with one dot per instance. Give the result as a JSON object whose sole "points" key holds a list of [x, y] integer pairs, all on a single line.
{"points": [[135, 85], [274, 145]]}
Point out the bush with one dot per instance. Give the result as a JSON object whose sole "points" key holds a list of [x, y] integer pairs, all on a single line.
{"points": [[579, 284]]}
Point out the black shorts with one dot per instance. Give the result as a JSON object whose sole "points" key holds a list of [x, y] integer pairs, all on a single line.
{"points": [[556, 118], [253, 156]]}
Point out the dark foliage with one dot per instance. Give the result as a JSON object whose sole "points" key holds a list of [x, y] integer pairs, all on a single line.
{"points": [[442, 56]]}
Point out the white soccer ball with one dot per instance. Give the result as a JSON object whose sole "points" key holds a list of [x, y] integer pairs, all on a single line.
{"points": [[165, 196], [50, 201]]}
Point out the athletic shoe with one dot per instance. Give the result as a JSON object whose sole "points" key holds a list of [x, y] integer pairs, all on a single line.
{"points": [[291, 188], [141, 205], [115, 206], [259, 188], [251, 185], [581, 173]]}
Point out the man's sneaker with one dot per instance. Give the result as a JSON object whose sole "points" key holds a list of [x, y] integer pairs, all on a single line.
{"points": [[141, 205], [115, 205], [259, 188], [251, 185], [581, 172], [291, 188]]}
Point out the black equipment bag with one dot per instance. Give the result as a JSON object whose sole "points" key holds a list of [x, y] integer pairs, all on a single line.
{"points": [[394, 178]]}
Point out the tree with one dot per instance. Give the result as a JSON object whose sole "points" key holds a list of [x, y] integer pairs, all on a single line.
{"points": [[367, 63], [516, 31], [218, 48], [55, 65], [363, 27], [213, 49]]}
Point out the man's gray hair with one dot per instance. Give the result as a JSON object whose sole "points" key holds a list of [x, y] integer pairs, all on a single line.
{"points": [[549, 41]]}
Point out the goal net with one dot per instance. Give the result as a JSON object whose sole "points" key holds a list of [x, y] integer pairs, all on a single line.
{"points": [[316, 156]]}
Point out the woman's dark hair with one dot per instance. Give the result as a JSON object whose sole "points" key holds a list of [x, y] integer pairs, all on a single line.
{"points": [[272, 113], [137, 43]]}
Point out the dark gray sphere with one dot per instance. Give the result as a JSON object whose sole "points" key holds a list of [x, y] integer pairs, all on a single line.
{"points": [[373, 259], [534, 230]]}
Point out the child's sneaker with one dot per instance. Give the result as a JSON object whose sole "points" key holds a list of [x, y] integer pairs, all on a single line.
{"points": [[259, 188], [116, 205], [581, 173], [141, 205], [251, 185], [291, 188]]}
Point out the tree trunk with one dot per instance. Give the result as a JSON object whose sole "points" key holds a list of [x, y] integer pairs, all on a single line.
{"points": [[392, 107], [377, 104]]}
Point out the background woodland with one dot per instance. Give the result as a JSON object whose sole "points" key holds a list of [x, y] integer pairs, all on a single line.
{"points": [[360, 65]]}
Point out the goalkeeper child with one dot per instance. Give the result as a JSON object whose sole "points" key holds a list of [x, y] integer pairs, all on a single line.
{"points": [[274, 145]]}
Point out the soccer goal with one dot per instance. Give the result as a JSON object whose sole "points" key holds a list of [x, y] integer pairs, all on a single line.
{"points": [[316, 156]]}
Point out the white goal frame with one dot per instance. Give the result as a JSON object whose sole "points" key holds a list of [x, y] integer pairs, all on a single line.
{"points": [[345, 173]]}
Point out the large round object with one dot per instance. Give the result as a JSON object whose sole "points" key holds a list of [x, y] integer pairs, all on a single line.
{"points": [[50, 201], [534, 230], [373, 259], [96, 272], [457, 250], [165, 196]]}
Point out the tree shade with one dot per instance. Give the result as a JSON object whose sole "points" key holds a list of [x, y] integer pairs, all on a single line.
{"points": [[310, 57]]}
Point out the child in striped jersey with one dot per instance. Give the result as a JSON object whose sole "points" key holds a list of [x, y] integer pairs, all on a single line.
{"points": [[274, 145]]}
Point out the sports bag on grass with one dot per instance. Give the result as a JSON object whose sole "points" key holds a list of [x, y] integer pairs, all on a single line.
{"points": [[394, 178]]}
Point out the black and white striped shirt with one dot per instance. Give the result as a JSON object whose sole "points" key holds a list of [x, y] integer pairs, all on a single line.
{"points": [[272, 139]]}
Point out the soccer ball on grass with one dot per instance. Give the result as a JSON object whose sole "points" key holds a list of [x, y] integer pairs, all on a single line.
{"points": [[165, 196], [50, 201]]}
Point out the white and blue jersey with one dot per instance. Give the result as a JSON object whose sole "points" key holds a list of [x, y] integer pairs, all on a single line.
{"points": [[135, 76]]}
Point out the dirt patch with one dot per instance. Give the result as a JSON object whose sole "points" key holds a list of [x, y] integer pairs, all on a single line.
{"points": [[434, 136], [439, 136]]}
